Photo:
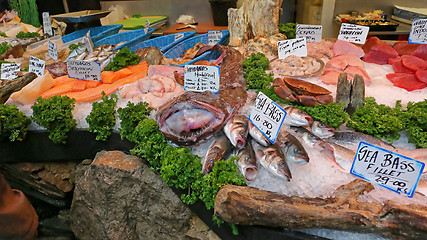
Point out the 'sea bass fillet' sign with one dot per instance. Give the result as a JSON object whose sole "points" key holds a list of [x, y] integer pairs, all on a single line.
{"points": [[267, 116], [353, 33], [296, 47], [312, 33], [387, 169], [84, 70], [200, 78], [418, 34]]}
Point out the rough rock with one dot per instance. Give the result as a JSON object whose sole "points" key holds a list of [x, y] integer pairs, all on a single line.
{"points": [[200, 231], [117, 196]]}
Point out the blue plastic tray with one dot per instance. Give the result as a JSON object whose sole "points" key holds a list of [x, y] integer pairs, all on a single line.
{"points": [[164, 43], [96, 33], [130, 38]]}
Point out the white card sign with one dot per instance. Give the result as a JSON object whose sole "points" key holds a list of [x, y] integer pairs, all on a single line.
{"points": [[214, 37], [267, 116], [200, 78], [36, 66], [84, 70], [47, 26], [418, 34], [353, 33], [297, 47], [52, 50], [8, 70], [312, 33], [387, 169], [147, 25], [179, 36], [88, 42]]}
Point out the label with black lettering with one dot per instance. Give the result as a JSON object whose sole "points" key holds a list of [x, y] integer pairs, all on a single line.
{"points": [[47, 26], [200, 78], [296, 47], [267, 116], [179, 36], [387, 169], [312, 33], [214, 37], [418, 34], [147, 25], [8, 70], [353, 33], [84, 70], [52, 50], [36, 66], [88, 42]]}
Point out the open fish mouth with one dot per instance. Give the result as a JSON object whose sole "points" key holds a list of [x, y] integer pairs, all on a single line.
{"points": [[188, 122]]}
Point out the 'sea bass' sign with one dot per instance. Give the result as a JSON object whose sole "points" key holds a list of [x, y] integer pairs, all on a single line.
{"points": [[418, 32], [385, 168], [296, 47], [84, 70], [353, 33], [200, 78]]}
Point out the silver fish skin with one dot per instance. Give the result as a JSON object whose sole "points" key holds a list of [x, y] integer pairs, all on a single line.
{"points": [[292, 149], [218, 149], [295, 117], [343, 157], [236, 129], [247, 162], [257, 135], [272, 159], [321, 130], [351, 140]]}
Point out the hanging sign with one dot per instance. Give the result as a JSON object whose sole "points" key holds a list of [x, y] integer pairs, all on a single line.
{"points": [[267, 116], [36, 66], [214, 37], [84, 70], [200, 78], [52, 50], [8, 70], [353, 33], [418, 34], [297, 47], [312, 33], [47, 26], [387, 169]]}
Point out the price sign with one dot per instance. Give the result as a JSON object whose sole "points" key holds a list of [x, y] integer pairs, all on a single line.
{"points": [[179, 36], [36, 66], [353, 33], [147, 25], [84, 70], [88, 42], [214, 37], [200, 78], [297, 47], [267, 116], [385, 168], [47, 26], [8, 70], [418, 34], [52, 50], [312, 33]]}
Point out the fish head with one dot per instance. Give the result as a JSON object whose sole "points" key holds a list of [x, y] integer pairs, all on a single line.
{"points": [[322, 130], [250, 172], [284, 170], [208, 165], [296, 117]]}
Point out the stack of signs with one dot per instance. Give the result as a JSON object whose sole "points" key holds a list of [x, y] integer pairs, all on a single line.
{"points": [[418, 34], [353, 33]]}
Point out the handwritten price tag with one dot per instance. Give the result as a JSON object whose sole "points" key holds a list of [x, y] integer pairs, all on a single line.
{"points": [[36, 66], [200, 78], [8, 70], [297, 47], [214, 37], [147, 25], [418, 34], [312, 33], [387, 169], [52, 50], [353, 33], [267, 116], [47, 26], [84, 70], [88, 42], [179, 36]]}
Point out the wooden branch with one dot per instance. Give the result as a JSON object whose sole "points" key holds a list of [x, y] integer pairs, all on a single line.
{"points": [[7, 87]]}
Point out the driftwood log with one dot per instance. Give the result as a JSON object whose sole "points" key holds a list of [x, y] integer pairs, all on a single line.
{"points": [[7, 87], [251, 206]]}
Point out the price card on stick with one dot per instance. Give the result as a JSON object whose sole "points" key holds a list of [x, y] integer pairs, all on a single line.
{"points": [[52, 50], [387, 169], [8, 70], [36, 66], [200, 78], [312, 33], [47, 26], [84, 70], [418, 34], [88, 42], [214, 37], [353, 33], [267, 116], [147, 25], [297, 47]]}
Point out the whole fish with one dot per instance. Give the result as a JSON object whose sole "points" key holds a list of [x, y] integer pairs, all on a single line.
{"points": [[272, 159], [247, 162], [292, 149], [295, 117], [257, 135], [216, 151], [343, 157], [236, 129], [321, 130]]}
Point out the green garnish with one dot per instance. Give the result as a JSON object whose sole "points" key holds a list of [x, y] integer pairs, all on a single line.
{"points": [[102, 117], [256, 60], [27, 35], [74, 46], [136, 15], [13, 123], [331, 114], [2, 34], [55, 115], [288, 29], [4, 47], [130, 117], [415, 118], [255, 75], [123, 59]]}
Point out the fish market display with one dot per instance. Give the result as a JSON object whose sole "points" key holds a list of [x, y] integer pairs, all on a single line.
{"points": [[187, 56], [102, 54], [272, 159], [218, 150], [321, 49], [296, 66], [236, 129], [247, 162]]}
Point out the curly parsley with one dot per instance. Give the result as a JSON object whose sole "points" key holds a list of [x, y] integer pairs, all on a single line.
{"points": [[27, 34], [13, 123], [415, 118], [4, 47], [102, 118], [2, 34], [123, 59], [255, 75], [130, 117]]}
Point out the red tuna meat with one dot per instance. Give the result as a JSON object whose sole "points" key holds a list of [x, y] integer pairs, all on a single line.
{"points": [[421, 75], [341, 46], [330, 76], [370, 43], [406, 81], [352, 71], [421, 52], [413, 63], [398, 66], [405, 48], [380, 54]]}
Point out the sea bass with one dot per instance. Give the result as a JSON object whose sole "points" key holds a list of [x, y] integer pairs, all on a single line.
{"points": [[321, 130], [247, 162], [257, 135], [272, 159], [292, 149], [216, 151], [295, 117], [343, 157], [236, 129]]}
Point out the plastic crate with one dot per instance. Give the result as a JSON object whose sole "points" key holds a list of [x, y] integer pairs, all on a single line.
{"points": [[164, 43], [130, 38], [96, 33]]}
